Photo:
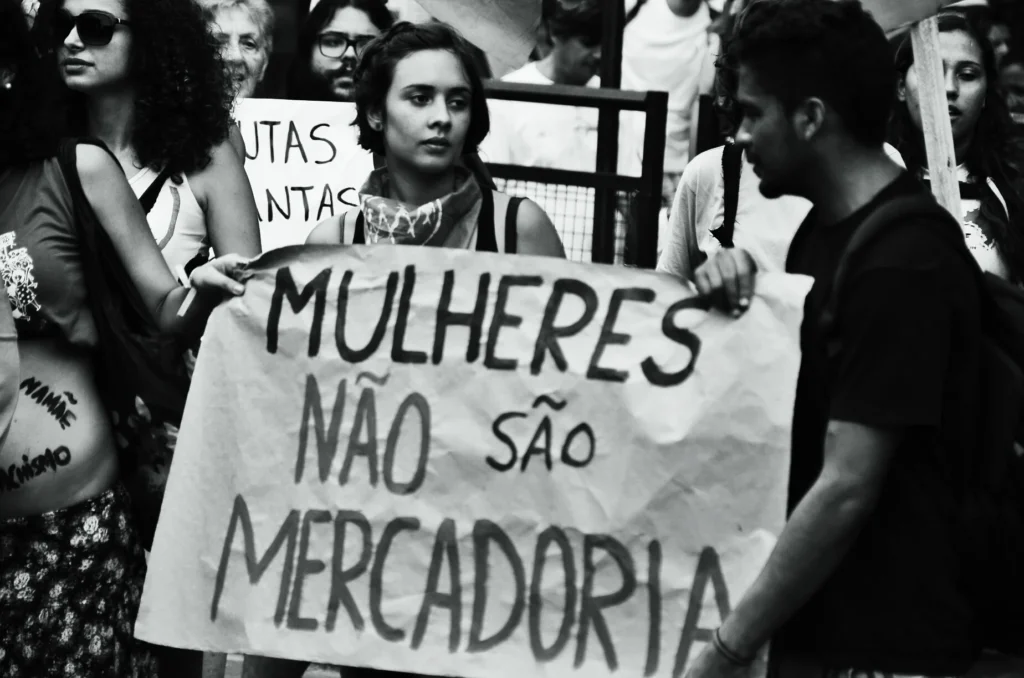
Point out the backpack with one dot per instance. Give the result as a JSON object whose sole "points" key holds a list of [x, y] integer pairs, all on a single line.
{"points": [[989, 530], [141, 373]]}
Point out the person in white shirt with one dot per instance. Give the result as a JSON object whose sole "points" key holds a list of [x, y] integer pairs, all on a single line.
{"points": [[560, 137], [666, 43], [543, 135], [763, 228]]}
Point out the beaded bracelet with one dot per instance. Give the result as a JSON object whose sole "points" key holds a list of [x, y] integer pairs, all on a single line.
{"points": [[728, 654]]}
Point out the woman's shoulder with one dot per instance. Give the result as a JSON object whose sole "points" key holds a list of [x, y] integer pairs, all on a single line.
{"points": [[332, 230], [535, 231]]}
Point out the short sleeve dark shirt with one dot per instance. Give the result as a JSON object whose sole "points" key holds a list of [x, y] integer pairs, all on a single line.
{"points": [[909, 334]]}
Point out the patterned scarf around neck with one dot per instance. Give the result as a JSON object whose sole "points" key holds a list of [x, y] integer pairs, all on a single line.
{"points": [[446, 222]]}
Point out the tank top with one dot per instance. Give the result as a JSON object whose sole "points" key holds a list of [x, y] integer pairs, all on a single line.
{"points": [[40, 258], [176, 219], [486, 239]]}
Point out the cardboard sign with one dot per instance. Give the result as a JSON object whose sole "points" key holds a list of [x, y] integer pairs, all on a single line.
{"points": [[894, 15], [303, 162], [464, 464]]}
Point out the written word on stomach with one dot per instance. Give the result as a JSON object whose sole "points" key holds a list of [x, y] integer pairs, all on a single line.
{"points": [[51, 403]]}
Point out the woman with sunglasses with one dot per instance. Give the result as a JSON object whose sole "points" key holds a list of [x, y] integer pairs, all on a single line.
{"points": [[420, 104], [146, 78], [331, 39], [84, 279]]}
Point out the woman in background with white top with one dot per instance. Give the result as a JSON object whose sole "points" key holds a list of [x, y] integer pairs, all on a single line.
{"points": [[155, 91], [989, 153]]}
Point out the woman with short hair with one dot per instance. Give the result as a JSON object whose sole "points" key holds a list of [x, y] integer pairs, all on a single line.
{"points": [[420, 105]]}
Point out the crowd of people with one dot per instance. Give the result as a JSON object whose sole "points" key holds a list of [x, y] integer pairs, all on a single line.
{"points": [[126, 217]]}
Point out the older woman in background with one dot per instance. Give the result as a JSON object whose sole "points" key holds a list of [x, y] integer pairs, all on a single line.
{"points": [[244, 29]]}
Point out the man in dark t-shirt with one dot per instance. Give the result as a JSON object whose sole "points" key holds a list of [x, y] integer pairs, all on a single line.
{"points": [[864, 579]]}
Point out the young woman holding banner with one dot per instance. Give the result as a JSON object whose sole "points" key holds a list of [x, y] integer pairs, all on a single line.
{"points": [[90, 294], [989, 151], [421, 105]]}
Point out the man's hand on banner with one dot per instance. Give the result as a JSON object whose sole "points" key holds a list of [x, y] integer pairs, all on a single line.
{"points": [[225, 274], [728, 278]]}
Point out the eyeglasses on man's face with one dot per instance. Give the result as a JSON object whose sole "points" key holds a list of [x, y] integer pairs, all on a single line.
{"points": [[334, 44]]}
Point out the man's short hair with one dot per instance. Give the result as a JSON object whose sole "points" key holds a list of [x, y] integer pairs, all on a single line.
{"points": [[832, 50], [574, 19]]}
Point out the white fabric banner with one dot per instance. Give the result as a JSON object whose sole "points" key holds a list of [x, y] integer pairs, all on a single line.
{"points": [[303, 162], [465, 464]]}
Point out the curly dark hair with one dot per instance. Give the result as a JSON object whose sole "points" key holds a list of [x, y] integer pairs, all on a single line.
{"points": [[183, 98], [996, 152], [376, 69], [31, 116], [830, 50], [303, 85]]}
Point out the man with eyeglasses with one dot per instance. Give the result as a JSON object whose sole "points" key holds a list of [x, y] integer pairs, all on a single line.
{"points": [[330, 43]]}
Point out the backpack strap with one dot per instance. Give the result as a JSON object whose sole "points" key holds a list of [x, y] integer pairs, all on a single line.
{"points": [[486, 240], [148, 198], [880, 221], [631, 14], [512, 225], [359, 237], [732, 168]]}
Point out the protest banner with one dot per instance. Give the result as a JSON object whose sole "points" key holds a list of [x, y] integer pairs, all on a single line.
{"points": [[464, 464], [303, 163]]}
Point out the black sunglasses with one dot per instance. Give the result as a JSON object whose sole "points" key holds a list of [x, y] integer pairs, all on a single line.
{"points": [[334, 44], [95, 28]]}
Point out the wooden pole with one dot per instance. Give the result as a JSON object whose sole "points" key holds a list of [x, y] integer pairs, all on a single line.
{"points": [[938, 133]]}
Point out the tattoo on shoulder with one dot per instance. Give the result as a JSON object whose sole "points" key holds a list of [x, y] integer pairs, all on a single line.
{"points": [[15, 476], [57, 404]]}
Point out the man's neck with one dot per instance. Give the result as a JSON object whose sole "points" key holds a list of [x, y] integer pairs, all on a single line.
{"points": [[684, 8], [849, 182], [110, 120], [549, 69]]}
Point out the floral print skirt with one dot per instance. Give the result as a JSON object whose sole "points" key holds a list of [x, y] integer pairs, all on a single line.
{"points": [[70, 586]]}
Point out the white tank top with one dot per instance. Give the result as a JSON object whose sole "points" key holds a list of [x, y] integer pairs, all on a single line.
{"points": [[176, 220]]}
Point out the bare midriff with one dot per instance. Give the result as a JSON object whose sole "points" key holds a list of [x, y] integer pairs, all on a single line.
{"points": [[60, 448]]}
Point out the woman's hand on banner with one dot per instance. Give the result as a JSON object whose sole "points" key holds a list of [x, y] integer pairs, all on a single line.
{"points": [[225, 275], [728, 279]]}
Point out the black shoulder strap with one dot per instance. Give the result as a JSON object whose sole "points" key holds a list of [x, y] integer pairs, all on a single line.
{"points": [[485, 237], [132, 351], [359, 237], [148, 198], [631, 14], [512, 226], [879, 221], [732, 167]]}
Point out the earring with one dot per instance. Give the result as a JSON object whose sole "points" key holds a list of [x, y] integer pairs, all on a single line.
{"points": [[8, 85]]}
